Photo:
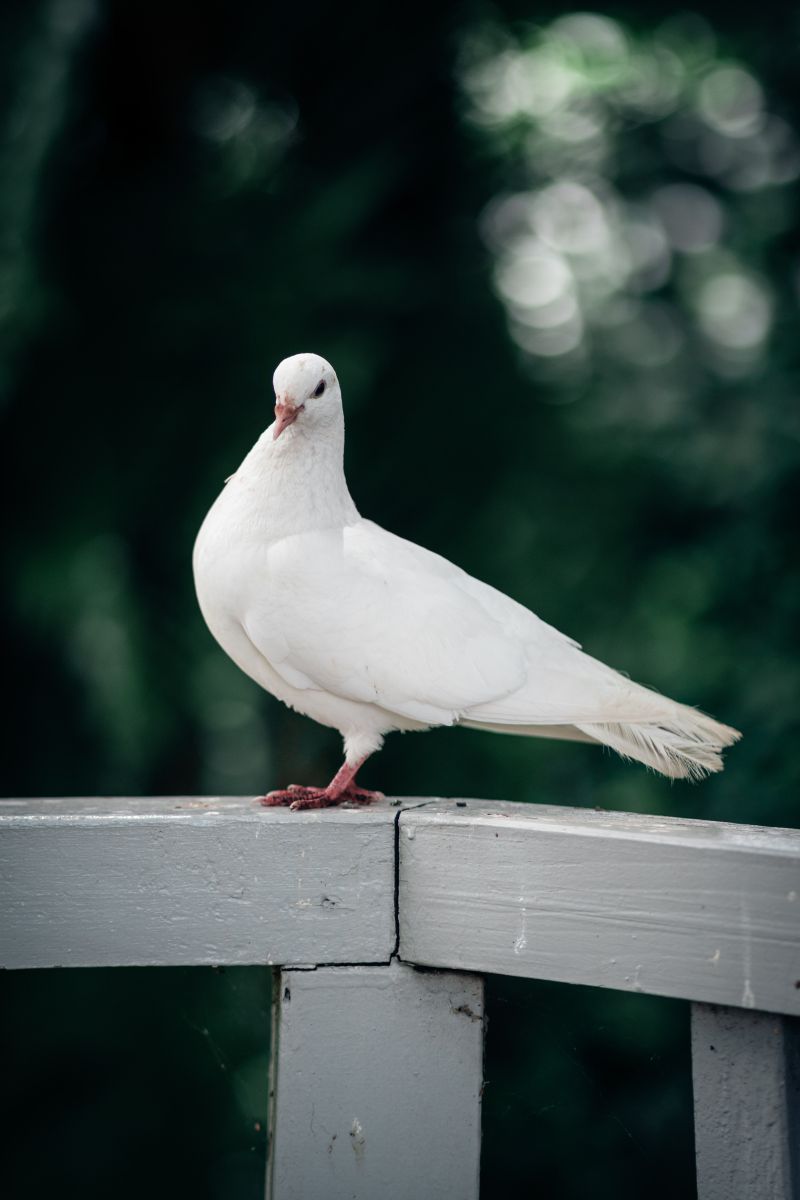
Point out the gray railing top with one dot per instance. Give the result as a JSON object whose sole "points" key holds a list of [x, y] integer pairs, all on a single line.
{"points": [[702, 910]]}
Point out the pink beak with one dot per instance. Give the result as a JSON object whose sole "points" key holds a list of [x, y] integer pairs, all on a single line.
{"points": [[285, 414]]}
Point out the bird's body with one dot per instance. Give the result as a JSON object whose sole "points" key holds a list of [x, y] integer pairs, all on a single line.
{"points": [[368, 633]]}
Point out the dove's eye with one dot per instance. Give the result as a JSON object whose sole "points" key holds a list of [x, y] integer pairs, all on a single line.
{"points": [[319, 389]]}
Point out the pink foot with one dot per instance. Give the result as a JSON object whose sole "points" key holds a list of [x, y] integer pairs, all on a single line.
{"points": [[298, 798]]}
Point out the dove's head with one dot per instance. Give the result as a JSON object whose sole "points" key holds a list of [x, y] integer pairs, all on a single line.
{"points": [[307, 391]]}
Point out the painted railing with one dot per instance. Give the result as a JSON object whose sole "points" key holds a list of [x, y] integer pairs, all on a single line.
{"points": [[377, 1058]]}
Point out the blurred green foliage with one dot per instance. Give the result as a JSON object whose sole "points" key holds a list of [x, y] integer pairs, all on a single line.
{"points": [[134, 1082], [555, 262]]}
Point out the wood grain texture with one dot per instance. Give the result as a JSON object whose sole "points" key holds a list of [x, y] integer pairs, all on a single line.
{"points": [[171, 881], [747, 1104], [700, 910], [377, 1085]]}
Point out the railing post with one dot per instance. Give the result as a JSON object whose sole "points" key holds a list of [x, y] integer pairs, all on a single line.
{"points": [[377, 1076], [747, 1104]]}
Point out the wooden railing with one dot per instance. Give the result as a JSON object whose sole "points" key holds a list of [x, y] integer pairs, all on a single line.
{"points": [[377, 1063]]}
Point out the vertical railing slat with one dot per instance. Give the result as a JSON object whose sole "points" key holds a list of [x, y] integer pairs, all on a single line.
{"points": [[377, 1085], [745, 1075]]}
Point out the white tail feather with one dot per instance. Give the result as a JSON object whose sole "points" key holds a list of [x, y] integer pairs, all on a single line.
{"points": [[684, 744], [678, 741]]}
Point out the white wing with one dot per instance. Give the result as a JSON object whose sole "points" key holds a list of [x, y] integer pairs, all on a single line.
{"points": [[369, 616], [365, 615]]}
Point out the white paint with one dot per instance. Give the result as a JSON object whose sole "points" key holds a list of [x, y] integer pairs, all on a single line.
{"points": [[377, 1079], [357, 1139], [139, 882], [748, 1000], [522, 939], [745, 1121], [555, 893]]}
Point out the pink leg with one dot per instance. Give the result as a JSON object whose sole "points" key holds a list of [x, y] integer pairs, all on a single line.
{"points": [[342, 789]]}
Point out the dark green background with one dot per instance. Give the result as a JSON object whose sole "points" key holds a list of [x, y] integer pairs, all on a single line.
{"points": [[154, 267]]}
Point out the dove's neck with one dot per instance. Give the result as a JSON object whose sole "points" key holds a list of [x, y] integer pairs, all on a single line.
{"points": [[297, 484]]}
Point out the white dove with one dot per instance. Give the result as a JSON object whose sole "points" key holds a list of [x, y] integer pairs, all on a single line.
{"points": [[368, 633]]}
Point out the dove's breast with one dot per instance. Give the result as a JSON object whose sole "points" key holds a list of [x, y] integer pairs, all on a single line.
{"points": [[231, 574], [241, 577]]}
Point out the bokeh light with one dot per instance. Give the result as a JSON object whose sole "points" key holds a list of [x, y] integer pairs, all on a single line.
{"points": [[580, 106]]}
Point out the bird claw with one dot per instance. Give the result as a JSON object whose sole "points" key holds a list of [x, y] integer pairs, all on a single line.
{"points": [[311, 797], [286, 797], [298, 798]]}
